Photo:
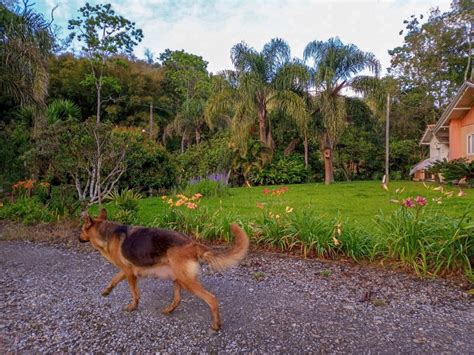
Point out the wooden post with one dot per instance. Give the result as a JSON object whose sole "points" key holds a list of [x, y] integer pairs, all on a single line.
{"points": [[151, 120], [387, 130]]}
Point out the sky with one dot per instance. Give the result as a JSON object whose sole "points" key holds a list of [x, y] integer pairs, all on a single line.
{"points": [[210, 28]]}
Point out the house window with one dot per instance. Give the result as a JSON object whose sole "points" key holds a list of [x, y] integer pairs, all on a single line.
{"points": [[470, 144]]}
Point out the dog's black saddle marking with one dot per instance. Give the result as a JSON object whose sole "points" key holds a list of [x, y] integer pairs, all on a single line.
{"points": [[146, 246]]}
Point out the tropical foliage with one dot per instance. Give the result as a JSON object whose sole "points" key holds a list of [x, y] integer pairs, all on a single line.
{"points": [[165, 121]]}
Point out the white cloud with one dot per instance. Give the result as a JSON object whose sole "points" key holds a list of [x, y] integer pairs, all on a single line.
{"points": [[211, 28]]}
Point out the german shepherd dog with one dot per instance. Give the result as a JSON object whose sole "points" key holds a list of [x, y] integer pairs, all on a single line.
{"points": [[141, 252]]}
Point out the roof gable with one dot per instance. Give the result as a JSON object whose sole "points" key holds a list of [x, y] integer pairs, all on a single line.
{"points": [[459, 105]]}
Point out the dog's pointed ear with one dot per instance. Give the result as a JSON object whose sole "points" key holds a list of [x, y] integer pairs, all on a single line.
{"points": [[86, 219], [102, 214]]}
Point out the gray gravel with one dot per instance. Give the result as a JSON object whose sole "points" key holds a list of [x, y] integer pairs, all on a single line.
{"points": [[50, 302]]}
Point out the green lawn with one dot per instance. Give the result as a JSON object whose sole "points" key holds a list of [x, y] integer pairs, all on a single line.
{"points": [[356, 201]]}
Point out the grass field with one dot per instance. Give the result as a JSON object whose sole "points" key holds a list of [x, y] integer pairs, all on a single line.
{"points": [[356, 201], [360, 220]]}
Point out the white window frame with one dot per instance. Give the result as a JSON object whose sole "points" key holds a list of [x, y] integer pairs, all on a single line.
{"points": [[470, 144]]}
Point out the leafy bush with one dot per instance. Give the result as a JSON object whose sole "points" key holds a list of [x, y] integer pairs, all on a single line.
{"points": [[282, 170], [126, 203], [204, 159], [458, 169], [149, 165], [27, 210], [63, 200]]}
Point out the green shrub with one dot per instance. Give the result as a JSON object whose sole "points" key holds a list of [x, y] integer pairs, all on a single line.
{"points": [[126, 203], [203, 159], [458, 169], [149, 165], [282, 170], [27, 210], [63, 200]]}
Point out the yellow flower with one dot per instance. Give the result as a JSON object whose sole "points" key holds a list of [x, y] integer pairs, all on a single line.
{"points": [[335, 241], [164, 197], [288, 209]]}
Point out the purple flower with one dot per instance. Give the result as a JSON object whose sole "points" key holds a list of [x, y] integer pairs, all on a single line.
{"points": [[219, 177]]}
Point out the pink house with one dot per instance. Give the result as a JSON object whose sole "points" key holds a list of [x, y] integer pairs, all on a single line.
{"points": [[452, 137]]}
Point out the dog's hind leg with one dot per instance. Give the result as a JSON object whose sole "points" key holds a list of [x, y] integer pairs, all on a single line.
{"points": [[176, 298], [195, 287], [120, 276], [132, 282]]}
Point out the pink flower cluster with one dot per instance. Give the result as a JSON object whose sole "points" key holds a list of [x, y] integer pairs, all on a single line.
{"points": [[417, 201]]}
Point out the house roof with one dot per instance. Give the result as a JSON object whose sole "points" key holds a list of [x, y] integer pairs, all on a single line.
{"points": [[442, 135], [427, 135], [459, 106]]}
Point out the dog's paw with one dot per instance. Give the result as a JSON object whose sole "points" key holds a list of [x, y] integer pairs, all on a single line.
{"points": [[215, 326], [106, 292], [131, 307], [167, 310]]}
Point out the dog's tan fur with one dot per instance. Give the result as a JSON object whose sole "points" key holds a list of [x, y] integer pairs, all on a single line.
{"points": [[160, 253]]}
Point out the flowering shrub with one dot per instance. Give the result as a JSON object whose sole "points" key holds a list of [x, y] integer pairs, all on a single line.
{"points": [[423, 237]]}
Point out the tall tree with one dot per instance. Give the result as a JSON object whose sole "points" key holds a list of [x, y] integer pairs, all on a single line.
{"points": [[335, 66], [103, 34], [189, 86], [26, 41], [263, 82], [434, 56]]}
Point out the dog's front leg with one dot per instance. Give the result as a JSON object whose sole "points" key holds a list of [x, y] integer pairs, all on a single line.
{"points": [[120, 276], [132, 282]]}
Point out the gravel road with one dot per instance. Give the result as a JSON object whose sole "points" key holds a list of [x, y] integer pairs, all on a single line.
{"points": [[50, 302]]}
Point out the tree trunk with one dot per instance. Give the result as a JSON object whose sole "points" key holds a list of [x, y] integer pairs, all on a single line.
{"points": [[328, 168], [183, 142], [306, 158], [99, 89], [198, 136], [261, 126]]}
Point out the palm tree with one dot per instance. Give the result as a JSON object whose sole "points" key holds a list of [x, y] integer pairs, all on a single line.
{"points": [[26, 41], [335, 66], [188, 121], [262, 83]]}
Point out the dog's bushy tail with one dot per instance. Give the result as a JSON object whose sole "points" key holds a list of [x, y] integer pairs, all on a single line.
{"points": [[220, 261]]}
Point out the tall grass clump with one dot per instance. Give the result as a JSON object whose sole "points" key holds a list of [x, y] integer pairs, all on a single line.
{"points": [[311, 234], [425, 239]]}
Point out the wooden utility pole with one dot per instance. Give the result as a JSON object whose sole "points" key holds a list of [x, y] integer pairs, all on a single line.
{"points": [[151, 120], [387, 130]]}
